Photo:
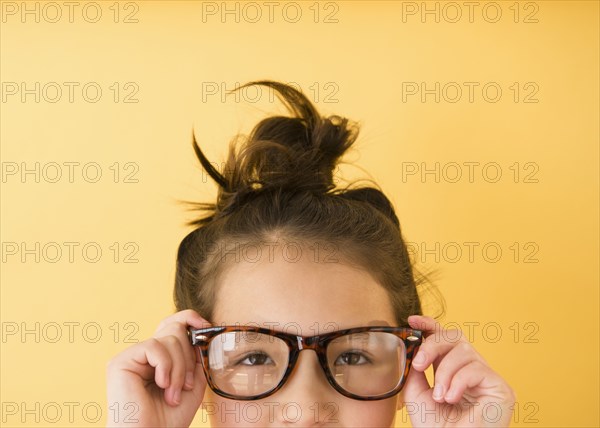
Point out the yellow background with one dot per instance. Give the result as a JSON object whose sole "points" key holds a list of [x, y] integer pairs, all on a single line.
{"points": [[546, 312]]}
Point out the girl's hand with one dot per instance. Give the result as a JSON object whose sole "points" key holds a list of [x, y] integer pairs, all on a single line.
{"points": [[158, 382], [471, 393]]}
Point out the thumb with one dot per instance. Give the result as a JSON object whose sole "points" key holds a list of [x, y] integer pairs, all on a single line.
{"points": [[417, 387], [200, 381], [417, 398], [195, 396]]}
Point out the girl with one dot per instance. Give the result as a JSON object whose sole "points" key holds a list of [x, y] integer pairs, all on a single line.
{"points": [[283, 257]]}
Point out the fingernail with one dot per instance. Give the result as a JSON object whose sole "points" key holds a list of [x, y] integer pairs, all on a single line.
{"points": [[450, 394], [177, 396], [420, 358], [438, 391], [189, 379]]}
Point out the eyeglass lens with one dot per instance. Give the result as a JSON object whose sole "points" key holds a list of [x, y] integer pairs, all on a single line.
{"points": [[249, 363]]}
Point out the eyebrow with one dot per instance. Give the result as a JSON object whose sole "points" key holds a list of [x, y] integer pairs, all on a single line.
{"points": [[275, 326], [379, 322]]}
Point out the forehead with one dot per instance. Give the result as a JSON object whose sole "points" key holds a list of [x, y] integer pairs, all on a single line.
{"points": [[302, 297]]}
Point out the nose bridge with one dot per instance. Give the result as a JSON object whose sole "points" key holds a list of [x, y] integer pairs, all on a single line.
{"points": [[306, 388], [311, 343]]}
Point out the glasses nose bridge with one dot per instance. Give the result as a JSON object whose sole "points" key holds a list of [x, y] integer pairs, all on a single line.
{"points": [[307, 343]]}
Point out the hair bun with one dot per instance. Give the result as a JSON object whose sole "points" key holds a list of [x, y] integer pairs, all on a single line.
{"points": [[297, 153]]}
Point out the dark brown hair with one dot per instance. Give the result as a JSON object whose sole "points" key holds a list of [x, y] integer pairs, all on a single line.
{"points": [[280, 185]]}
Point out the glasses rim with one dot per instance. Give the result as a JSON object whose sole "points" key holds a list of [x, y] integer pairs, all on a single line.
{"points": [[201, 339]]}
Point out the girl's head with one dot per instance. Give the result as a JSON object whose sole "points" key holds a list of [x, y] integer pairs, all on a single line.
{"points": [[283, 248]]}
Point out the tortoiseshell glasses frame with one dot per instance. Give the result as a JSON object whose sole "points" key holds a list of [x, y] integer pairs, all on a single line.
{"points": [[201, 339]]}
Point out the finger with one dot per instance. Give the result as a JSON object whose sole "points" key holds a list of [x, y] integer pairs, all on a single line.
{"points": [[151, 360], [179, 330], [458, 357], [430, 353], [178, 369], [437, 344], [427, 324], [468, 376], [187, 317]]}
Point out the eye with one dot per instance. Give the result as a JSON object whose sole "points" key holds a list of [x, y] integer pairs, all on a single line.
{"points": [[351, 359], [255, 359]]}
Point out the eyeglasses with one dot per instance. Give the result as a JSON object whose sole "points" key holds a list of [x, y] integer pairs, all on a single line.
{"points": [[250, 363]]}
